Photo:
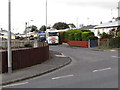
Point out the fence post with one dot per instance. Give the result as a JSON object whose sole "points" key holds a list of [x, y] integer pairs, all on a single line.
{"points": [[35, 44], [98, 42], [107, 43], [89, 43]]}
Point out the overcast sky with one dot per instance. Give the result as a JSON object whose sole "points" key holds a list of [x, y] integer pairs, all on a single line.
{"points": [[69, 11]]}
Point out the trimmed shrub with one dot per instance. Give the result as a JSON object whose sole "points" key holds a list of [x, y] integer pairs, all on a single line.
{"points": [[27, 45], [93, 38], [118, 34], [21, 38], [85, 30], [105, 35], [85, 36], [71, 36], [36, 37], [115, 42], [17, 37], [78, 35]]}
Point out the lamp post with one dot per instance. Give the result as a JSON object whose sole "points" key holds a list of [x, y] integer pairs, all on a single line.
{"points": [[28, 22], [27, 26], [9, 38]]}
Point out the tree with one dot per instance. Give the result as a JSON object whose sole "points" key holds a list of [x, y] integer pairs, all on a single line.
{"points": [[43, 28], [71, 25], [60, 25], [33, 28]]}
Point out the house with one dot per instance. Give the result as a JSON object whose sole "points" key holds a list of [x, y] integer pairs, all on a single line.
{"points": [[107, 27], [4, 34]]}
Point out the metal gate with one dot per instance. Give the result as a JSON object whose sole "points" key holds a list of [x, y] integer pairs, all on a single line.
{"points": [[93, 43]]}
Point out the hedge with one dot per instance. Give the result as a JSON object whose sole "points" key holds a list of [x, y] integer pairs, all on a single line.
{"points": [[78, 35], [115, 42]]}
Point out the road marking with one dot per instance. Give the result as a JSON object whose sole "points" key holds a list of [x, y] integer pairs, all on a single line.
{"points": [[112, 50], [115, 57], [14, 84], [62, 55], [62, 77], [101, 69]]}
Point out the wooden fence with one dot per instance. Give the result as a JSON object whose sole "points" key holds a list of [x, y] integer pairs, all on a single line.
{"points": [[23, 58], [15, 43], [21, 43]]}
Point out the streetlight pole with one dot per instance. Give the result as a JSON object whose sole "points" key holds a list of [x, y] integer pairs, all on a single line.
{"points": [[118, 9], [29, 22], [27, 27], [111, 14], [9, 38]]}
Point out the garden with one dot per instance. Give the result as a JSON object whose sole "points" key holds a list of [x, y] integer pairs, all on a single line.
{"points": [[81, 38], [108, 41], [86, 38]]}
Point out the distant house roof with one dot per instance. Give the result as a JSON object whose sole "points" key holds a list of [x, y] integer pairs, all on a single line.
{"points": [[5, 32], [109, 24], [88, 27]]}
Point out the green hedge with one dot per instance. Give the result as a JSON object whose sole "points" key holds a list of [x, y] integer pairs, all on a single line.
{"points": [[105, 35], [85, 36], [118, 34], [78, 35], [27, 45], [115, 42]]}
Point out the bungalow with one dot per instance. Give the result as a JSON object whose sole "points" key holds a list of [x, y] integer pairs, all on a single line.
{"points": [[107, 27], [4, 34]]}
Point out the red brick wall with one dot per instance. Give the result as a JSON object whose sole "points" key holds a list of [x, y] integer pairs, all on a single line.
{"points": [[78, 43]]}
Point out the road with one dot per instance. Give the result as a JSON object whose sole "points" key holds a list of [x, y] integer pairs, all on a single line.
{"points": [[89, 69]]}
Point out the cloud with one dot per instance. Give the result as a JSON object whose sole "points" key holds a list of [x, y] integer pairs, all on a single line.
{"points": [[106, 4]]}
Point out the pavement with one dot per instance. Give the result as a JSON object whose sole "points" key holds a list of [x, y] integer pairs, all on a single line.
{"points": [[56, 61]]}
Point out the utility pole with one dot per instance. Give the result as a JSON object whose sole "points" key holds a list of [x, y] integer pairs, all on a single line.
{"points": [[88, 21], [118, 9], [111, 14], [9, 39], [25, 29]]}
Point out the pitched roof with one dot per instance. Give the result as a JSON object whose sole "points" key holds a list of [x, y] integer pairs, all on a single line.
{"points": [[109, 24], [88, 27]]}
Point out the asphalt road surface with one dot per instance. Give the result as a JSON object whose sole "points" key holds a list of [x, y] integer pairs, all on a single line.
{"points": [[89, 69]]}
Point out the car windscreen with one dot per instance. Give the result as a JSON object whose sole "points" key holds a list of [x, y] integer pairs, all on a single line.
{"points": [[53, 34]]}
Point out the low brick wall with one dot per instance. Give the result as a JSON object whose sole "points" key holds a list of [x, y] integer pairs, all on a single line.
{"points": [[25, 57], [78, 43]]}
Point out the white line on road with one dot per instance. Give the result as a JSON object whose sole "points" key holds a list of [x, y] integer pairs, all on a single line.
{"points": [[62, 76], [14, 84], [115, 57], [62, 55], [101, 69], [112, 50]]}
